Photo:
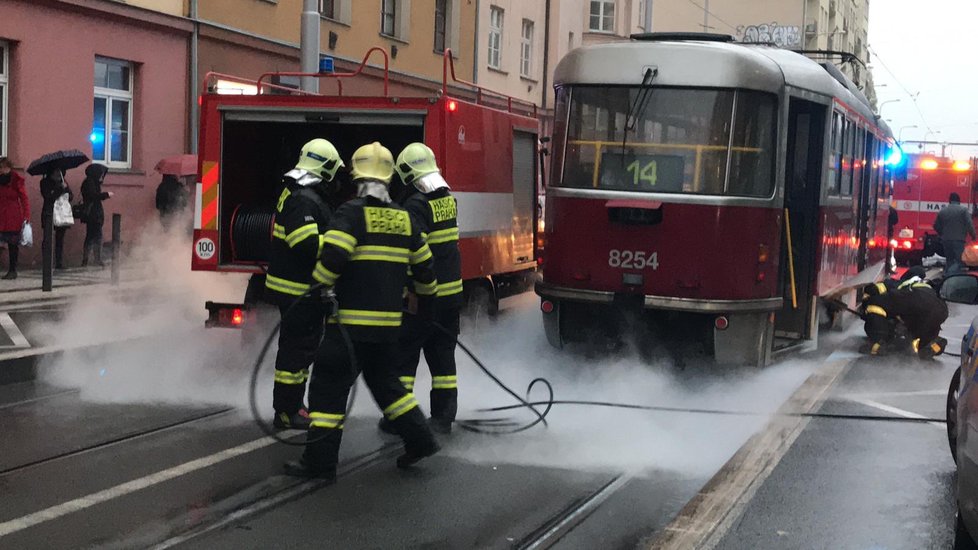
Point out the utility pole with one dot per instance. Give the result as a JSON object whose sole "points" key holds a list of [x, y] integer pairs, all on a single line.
{"points": [[309, 45], [706, 15]]}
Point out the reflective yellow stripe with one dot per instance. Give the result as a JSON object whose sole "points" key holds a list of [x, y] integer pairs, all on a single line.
{"points": [[281, 199], [301, 234], [326, 420], [407, 381], [368, 318], [443, 236], [916, 345], [876, 348], [278, 231], [450, 289], [426, 289], [291, 378], [340, 239], [444, 382], [319, 252], [881, 288], [285, 286], [420, 255], [876, 310], [380, 254], [401, 406], [323, 275]]}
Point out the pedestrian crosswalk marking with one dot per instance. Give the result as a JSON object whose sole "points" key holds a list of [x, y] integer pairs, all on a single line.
{"points": [[16, 336]]}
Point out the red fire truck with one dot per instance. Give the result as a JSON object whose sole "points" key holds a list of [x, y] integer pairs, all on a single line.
{"points": [[921, 187], [486, 145]]}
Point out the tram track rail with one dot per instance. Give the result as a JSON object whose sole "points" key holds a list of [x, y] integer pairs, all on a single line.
{"points": [[560, 524], [125, 438]]}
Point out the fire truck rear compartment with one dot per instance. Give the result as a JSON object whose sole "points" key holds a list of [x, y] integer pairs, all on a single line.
{"points": [[258, 148]]}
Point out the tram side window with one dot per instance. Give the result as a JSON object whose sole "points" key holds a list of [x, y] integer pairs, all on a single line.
{"points": [[755, 129], [845, 189], [835, 172], [559, 134]]}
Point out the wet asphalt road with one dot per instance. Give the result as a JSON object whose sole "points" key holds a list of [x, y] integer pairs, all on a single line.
{"points": [[123, 463]]}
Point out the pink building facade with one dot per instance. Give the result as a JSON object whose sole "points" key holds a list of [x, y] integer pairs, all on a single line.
{"points": [[102, 77]]}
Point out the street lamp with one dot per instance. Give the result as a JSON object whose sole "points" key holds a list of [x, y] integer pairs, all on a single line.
{"points": [[900, 134], [880, 109]]}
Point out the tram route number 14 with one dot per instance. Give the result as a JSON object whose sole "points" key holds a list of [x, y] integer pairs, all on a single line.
{"points": [[629, 259]]}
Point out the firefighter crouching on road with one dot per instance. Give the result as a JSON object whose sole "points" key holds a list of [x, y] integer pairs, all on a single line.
{"points": [[912, 302], [301, 217], [368, 250], [435, 210]]}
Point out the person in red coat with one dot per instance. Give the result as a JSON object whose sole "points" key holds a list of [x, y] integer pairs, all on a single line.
{"points": [[15, 211]]}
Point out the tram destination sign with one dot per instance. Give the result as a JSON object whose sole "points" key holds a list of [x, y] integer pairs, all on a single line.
{"points": [[629, 171]]}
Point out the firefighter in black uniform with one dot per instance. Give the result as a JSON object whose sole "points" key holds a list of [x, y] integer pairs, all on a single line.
{"points": [[301, 217], [435, 211], [369, 249], [912, 302]]}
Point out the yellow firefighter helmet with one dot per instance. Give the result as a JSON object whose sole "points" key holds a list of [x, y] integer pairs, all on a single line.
{"points": [[373, 161], [320, 158], [415, 161]]}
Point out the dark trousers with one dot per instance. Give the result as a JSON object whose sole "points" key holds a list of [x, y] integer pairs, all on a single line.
{"points": [[298, 339], [14, 251], [93, 242], [59, 246], [333, 375], [419, 336], [952, 253]]}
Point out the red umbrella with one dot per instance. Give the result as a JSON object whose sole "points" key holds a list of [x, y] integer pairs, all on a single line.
{"points": [[179, 165]]}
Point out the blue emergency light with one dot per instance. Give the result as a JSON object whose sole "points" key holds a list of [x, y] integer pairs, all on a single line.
{"points": [[895, 157], [326, 64]]}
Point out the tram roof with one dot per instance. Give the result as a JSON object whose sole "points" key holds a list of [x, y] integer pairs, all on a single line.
{"points": [[705, 64]]}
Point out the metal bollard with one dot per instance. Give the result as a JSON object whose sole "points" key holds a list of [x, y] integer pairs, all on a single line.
{"points": [[116, 242], [47, 253]]}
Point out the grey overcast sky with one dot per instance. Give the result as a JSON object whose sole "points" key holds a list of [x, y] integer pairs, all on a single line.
{"points": [[927, 47]]}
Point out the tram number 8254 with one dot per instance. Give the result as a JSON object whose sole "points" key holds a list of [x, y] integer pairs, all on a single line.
{"points": [[628, 259]]}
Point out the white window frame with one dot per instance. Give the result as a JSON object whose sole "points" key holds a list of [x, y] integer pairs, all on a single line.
{"points": [[497, 21], [109, 94], [5, 82], [526, 49], [602, 11], [383, 17]]}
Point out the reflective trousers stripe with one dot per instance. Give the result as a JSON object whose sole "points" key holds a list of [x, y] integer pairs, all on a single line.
{"points": [[450, 289], [285, 286], [407, 381], [326, 420], [401, 406], [291, 378], [444, 382]]}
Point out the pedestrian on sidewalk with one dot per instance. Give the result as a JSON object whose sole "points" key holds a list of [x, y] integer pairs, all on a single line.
{"points": [[172, 199], [15, 211], [953, 224], [93, 215], [53, 185]]}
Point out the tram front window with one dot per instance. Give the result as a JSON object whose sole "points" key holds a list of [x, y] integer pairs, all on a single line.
{"points": [[681, 142]]}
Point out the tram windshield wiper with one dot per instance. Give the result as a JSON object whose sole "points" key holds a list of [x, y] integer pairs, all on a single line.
{"points": [[641, 100]]}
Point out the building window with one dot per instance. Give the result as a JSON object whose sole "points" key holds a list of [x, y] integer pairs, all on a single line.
{"points": [[4, 86], [329, 9], [495, 36], [388, 17], [441, 24], [112, 122], [602, 16], [526, 49]]}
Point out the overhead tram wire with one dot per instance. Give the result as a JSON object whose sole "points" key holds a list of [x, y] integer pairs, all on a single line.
{"points": [[713, 15], [911, 95]]}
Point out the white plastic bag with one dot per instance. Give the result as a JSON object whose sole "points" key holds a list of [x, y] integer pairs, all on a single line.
{"points": [[63, 216], [26, 235]]}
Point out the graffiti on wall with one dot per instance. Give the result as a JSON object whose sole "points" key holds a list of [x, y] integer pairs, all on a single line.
{"points": [[784, 36]]}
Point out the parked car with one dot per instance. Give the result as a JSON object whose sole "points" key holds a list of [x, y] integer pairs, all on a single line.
{"points": [[962, 413]]}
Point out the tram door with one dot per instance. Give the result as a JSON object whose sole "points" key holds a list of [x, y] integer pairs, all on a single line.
{"points": [[803, 179]]}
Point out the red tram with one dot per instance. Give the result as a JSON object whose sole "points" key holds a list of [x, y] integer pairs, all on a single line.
{"points": [[722, 187]]}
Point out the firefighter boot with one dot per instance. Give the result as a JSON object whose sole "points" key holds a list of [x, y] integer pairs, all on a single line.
{"points": [[386, 426], [419, 442], [295, 421], [932, 349], [871, 348], [444, 406], [320, 457]]}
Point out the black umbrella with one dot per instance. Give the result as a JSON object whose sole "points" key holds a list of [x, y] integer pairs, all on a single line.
{"points": [[63, 160]]}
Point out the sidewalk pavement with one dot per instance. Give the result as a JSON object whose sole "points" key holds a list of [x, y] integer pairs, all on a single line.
{"points": [[67, 283]]}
